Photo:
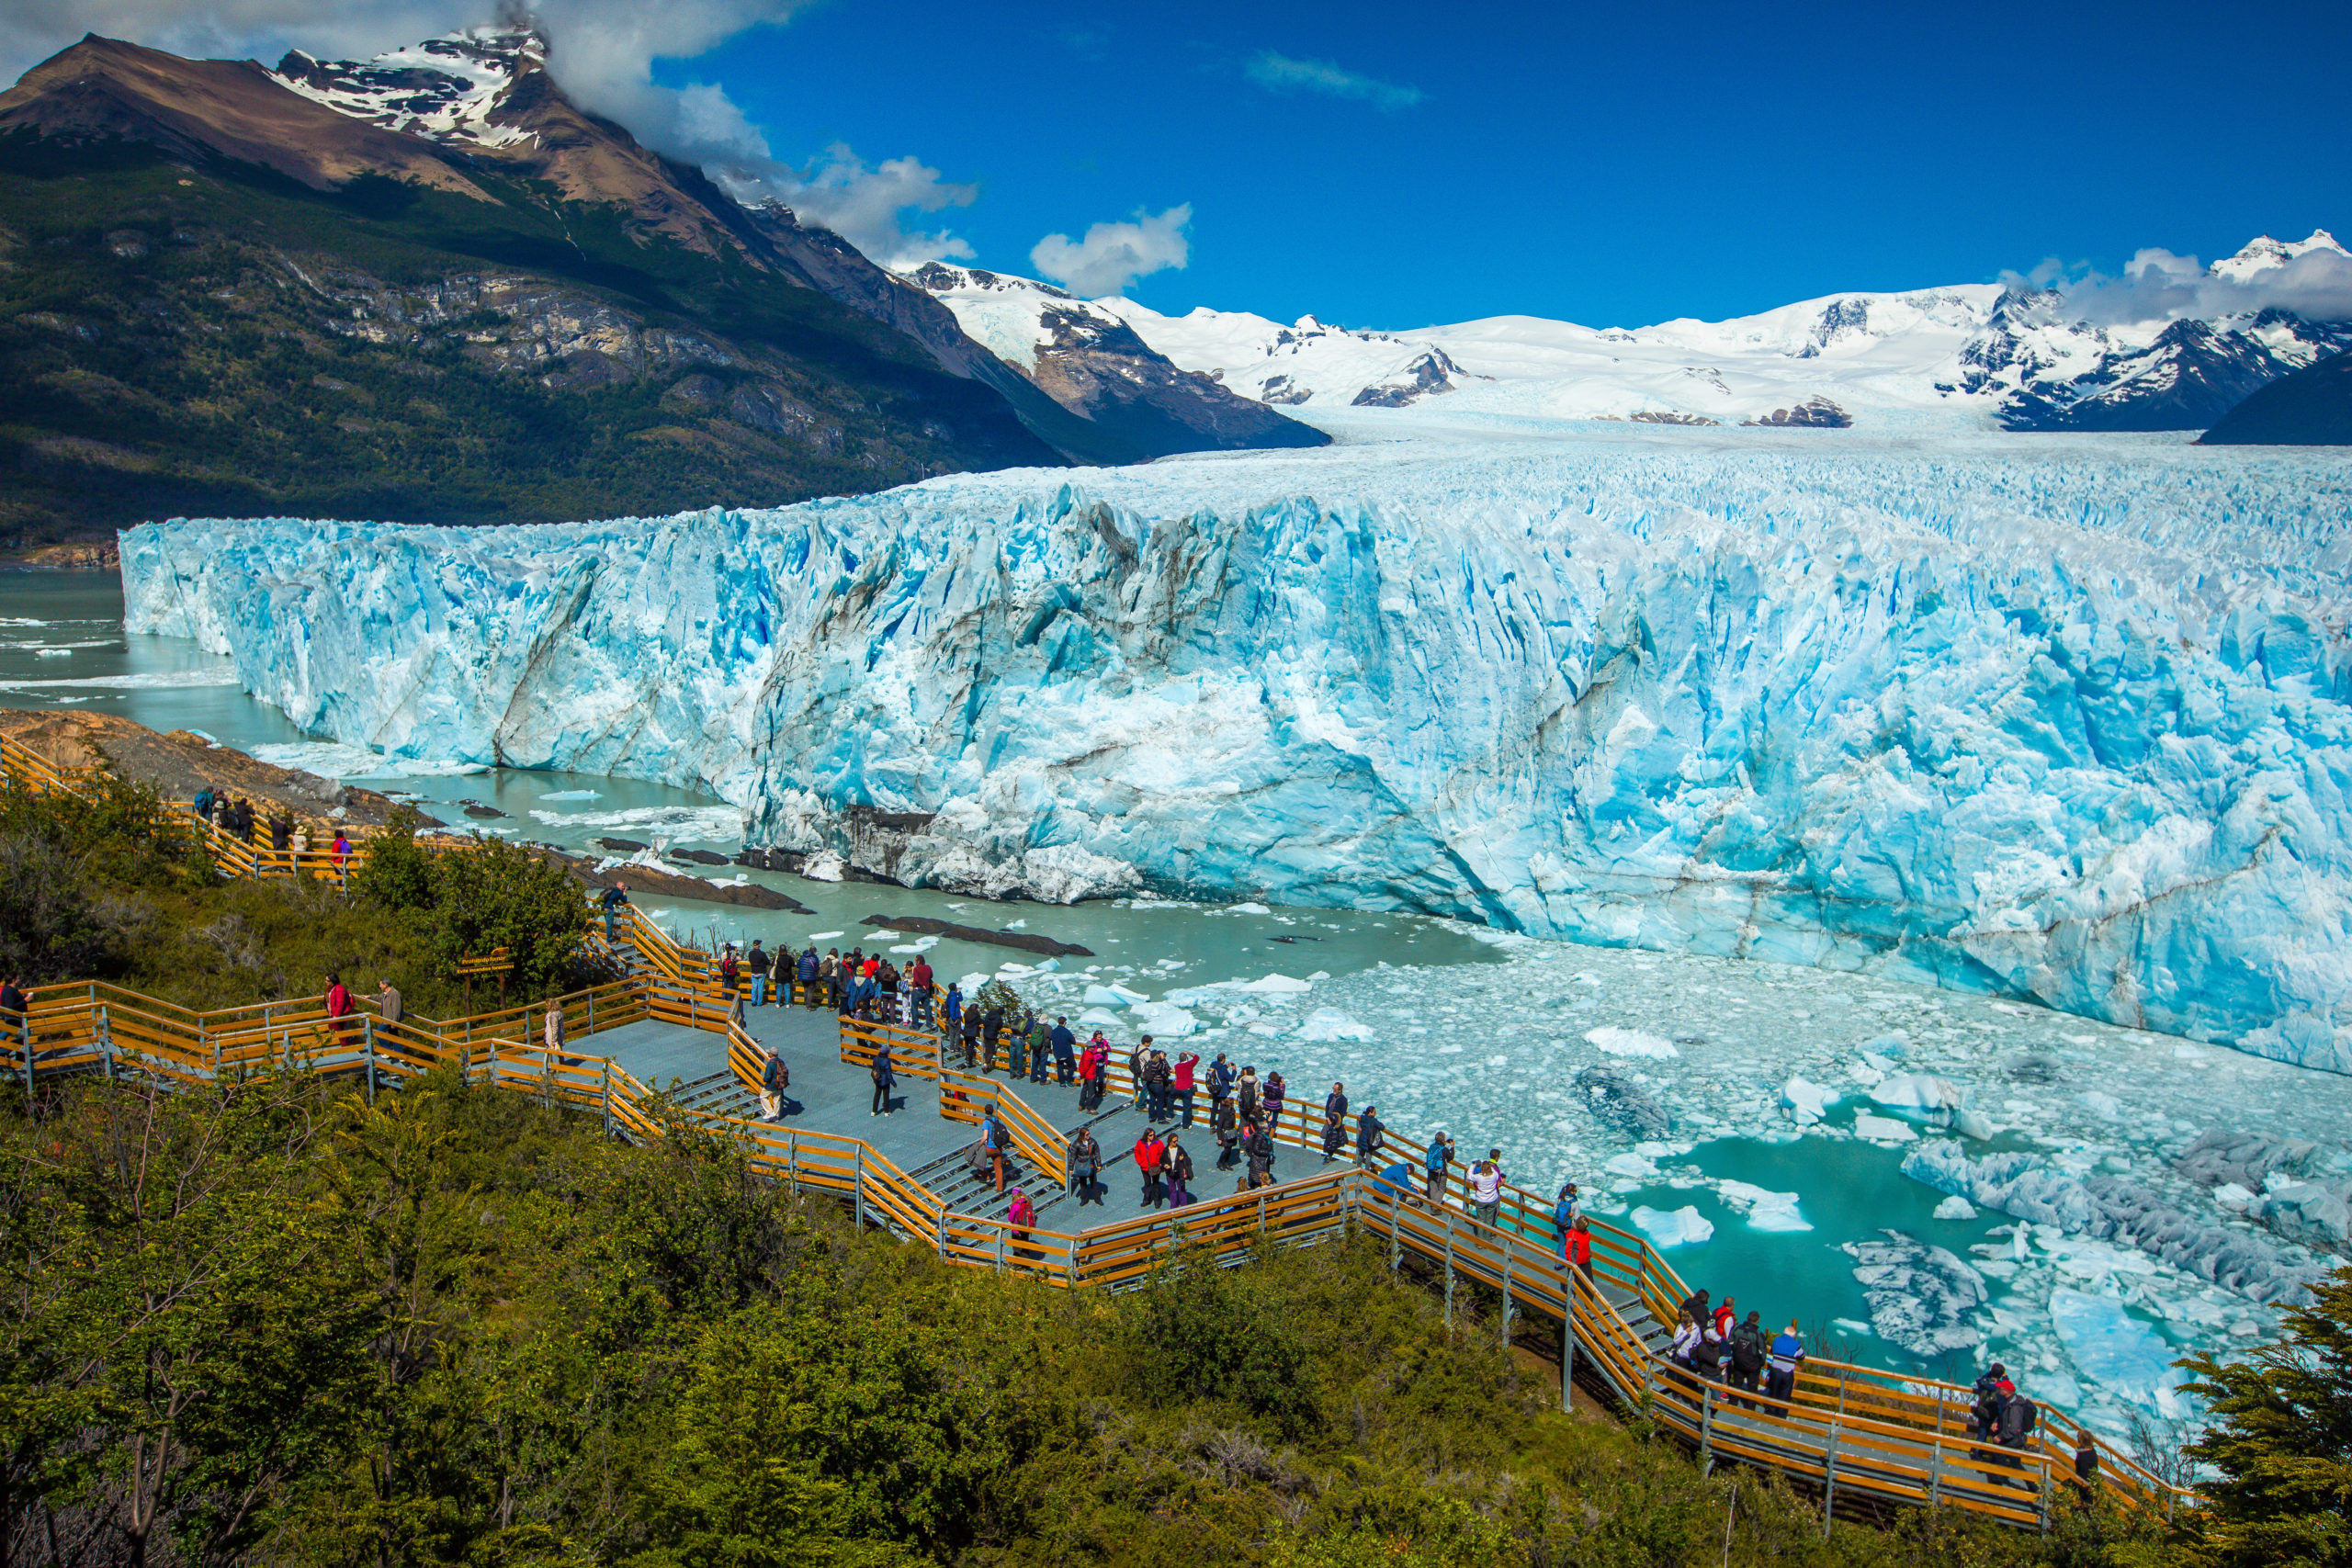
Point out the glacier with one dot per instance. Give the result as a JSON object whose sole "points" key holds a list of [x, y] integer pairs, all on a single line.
{"points": [[2063, 718]]}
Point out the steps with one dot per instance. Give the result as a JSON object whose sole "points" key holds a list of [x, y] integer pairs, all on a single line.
{"points": [[719, 1094], [967, 1191]]}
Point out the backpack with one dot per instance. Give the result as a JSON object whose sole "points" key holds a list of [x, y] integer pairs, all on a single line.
{"points": [[2029, 1416], [1747, 1348]]}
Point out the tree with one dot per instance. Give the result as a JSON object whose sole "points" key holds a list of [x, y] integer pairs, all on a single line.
{"points": [[2281, 1440], [468, 903]]}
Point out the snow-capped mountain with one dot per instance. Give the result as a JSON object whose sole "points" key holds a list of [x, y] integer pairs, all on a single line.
{"points": [[1968, 355], [446, 88], [1089, 360]]}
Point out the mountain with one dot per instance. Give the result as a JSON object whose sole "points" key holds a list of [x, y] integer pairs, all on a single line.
{"points": [[1971, 355], [2312, 407], [1090, 361], [430, 288]]}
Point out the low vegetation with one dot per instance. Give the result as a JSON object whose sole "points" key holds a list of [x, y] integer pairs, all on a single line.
{"points": [[279, 1325], [91, 889]]}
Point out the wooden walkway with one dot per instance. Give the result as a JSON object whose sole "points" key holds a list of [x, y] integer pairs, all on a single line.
{"points": [[1863, 1437]]}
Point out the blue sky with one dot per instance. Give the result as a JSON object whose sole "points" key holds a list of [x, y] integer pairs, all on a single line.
{"points": [[1609, 165]]}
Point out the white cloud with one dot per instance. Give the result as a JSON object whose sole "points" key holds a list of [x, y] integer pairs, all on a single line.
{"points": [[2157, 285], [1112, 256], [864, 206], [1281, 74]]}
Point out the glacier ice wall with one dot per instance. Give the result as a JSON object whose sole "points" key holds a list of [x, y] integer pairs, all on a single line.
{"points": [[2072, 720]]}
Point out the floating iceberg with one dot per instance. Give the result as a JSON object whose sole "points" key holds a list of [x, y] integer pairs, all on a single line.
{"points": [[2117, 1352], [1632, 1042], [1805, 1102], [1923, 1297], [1918, 1091], [2071, 718], [1330, 1023], [1677, 1227], [1766, 1210]]}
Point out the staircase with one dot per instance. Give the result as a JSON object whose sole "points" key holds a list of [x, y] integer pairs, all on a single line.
{"points": [[720, 1094], [967, 1191], [1656, 1337]]}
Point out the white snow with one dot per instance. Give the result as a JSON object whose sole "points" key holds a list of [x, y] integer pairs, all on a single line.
{"points": [[1631, 1042]]}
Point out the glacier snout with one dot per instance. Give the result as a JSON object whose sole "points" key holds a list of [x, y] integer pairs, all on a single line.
{"points": [[2050, 731]]}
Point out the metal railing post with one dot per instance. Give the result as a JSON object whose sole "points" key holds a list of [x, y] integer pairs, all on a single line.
{"points": [[367, 1033], [859, 1198], [608, 1097], [1829, 1484], [1511, 1256], [1706, 1428], [1449, 1268]]}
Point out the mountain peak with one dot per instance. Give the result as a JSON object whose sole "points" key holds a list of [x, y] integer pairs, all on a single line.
{"points": [[446, 89], [2262, 252]]}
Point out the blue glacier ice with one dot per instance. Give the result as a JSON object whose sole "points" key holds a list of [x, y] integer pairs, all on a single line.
{"points": [[2066, 719]]}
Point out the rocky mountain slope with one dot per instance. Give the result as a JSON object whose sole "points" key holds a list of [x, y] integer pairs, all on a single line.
{"points": [[1090, 361], [431, 288], [2310, 407], [1973, 356]]}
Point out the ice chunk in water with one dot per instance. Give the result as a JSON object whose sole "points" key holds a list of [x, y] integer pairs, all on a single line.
{"points": [[1677, 1227], [1163, 1020], [1632, 1042], [1955, 1208], [1766, 1210], [1114, 995], [2116, 1350], [1330, 1023], [1805, 1101], [1884, 1130], [1918, 1091]]}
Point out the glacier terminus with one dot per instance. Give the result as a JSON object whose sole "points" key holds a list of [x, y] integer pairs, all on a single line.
{"points": [[2066, 718]]}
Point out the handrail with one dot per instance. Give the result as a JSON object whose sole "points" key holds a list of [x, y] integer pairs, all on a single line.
{"points": [[1890, 1436]]}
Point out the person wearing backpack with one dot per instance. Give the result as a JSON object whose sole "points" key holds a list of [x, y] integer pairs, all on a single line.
{"points": [[1372, 1137], [1136, 1059], [1434, 1159], [885, 1080], [1020, 1217], [1747, 1356], [1783, 1356], [994, 1141], [1487, 1187], [774, 1079], [1227, 1128], [1981, 1421], [2017, 1417]]}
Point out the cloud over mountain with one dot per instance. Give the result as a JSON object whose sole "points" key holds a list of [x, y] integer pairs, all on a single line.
{"points": [[1112, 256]]}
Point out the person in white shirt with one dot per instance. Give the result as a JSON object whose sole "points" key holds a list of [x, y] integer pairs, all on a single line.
{"points": [[1487, 1186]]}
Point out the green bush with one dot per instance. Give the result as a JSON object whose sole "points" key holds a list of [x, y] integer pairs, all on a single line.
{"points": [[469, 904]]}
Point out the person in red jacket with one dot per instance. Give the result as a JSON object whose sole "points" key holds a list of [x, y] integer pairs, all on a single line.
{"points": [[1149, 1152], [338, 1000], [1580, 1247], [919, 985], [1185, 1065]]}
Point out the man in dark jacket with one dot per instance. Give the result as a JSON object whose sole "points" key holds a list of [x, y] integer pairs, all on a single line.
{"points": [[1335, 1123], [1747, 1352], [1065, 1045], [774, 1079], [1370, 1134]]}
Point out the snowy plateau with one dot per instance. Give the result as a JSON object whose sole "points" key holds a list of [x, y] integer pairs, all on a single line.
{"points": [[2068, 718], [1965, 357]]}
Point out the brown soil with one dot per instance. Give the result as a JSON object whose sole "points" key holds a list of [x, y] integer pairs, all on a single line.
{"points": [[180, 764]]}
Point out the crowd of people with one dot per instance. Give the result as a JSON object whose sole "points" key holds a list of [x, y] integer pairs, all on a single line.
{"points": [[289, 838]]}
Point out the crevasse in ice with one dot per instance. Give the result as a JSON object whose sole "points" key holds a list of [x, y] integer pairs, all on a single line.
{"points": [[2072, 720]]}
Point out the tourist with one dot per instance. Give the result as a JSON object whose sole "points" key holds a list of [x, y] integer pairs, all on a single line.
{"points": [[16, 1012], [1148, 1152], [808, 971], [919, 987], [388, 1006], [338, 1006], [1135, 1072], [1177, 1161], [994, 1141], [281, 833], [298, 844], [1725, 1316], [1257, 1148], [1181, 1082], [1371, 1135], [1065, 1045], [1227, 1126], [551, 1027], [1707, 1357], [1041, 1043], [758, 962], [1684, 1348], [1580, 1248], [1155, 1079], [1089, 1070], [774, 1079], [1019, 1218], [1487, 1187], [1434, 1159], [951, 1010], [967, 1030], [885, 1080], [1749, 1353], [2086, 1483], [1566, 1206], [730, 973], [1335, 1123], [1787, 1354], [1271, 1095], [342, 847], [202, 804], [1246, 1088], [1221, 1077], [1988, 1397], [1085, 1160], [2017, 1418], [991, 1033], [1699, 1307], [613, 899]]}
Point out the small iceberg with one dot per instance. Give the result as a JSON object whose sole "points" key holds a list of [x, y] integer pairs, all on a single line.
{"points": [[1619, 1042], [1676, 1227]]}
